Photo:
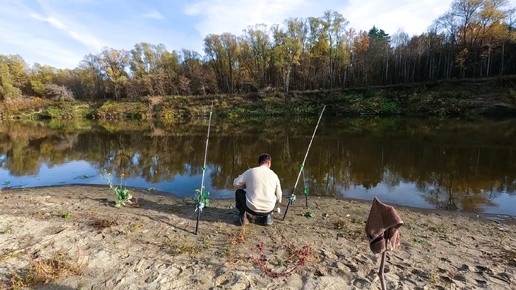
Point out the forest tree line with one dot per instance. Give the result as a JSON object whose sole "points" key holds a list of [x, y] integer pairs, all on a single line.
{"points": [[474, 38]]}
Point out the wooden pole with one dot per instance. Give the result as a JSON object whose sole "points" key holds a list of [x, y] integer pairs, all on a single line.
{"points": [[382, 265], [380, 273]]}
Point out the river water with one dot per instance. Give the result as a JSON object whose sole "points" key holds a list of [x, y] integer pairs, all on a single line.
{"points": [[456, 165]]}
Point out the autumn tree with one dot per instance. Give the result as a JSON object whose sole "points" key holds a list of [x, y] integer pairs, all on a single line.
{"points": [[360, 50], [255, 54], [113, 64], [314, 64], [399, 42], [40, 76], [222, 54], [13, 76], [91, 73], [334, 26], [73, 80], [287, 48], [199, 75], [154, 71], [378, 55]]}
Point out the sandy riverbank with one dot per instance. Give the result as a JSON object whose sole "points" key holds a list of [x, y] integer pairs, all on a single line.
{"points": [[72, 237]]}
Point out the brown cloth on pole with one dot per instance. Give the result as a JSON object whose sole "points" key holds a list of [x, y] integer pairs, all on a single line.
{"points": [[382, 227]]}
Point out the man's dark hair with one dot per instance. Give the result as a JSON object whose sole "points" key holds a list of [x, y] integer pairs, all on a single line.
{"points": [[264, 158]]}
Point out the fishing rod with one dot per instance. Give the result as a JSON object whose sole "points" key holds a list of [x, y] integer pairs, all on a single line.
{"points": [[305, 191], [202, 198], [292, 197]]}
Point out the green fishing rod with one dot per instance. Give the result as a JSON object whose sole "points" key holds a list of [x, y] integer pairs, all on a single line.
{"points": [[202, 195], [292, 197], [305, 191]]}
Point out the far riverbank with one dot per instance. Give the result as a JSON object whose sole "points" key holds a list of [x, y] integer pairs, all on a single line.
{"points": [[464, 98]]}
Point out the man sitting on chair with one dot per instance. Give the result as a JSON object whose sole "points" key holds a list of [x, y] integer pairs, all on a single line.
{"points": [[263, 191]]}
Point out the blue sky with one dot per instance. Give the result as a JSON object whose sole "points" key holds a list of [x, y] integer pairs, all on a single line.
{"points": [[61, 32]]}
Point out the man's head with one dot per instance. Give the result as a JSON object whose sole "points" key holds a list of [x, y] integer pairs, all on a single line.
{"points": [[264, 159]]}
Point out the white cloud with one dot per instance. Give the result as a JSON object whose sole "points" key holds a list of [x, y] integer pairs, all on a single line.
{"points": [[414, 17], [220, 16], [84, 37], [225, 16], [153, 15], [54, 22]]}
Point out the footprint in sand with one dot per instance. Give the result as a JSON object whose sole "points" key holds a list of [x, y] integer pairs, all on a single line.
{"points": [[362, 283], [459, 277], [421, 274], [233, 280], [482, 270]]}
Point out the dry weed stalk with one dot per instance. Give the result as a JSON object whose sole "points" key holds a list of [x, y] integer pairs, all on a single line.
{"points": [[154, 100], [103, 223], [186, 246], [236, 238], [47, 270]]}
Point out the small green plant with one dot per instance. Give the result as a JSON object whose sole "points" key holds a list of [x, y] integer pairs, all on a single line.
{"points": [[136, 227], [389, 108], [349, 97], [123, 194], [418, 240], [66, 214], [52, 112], [169, 115], [339, 225]]}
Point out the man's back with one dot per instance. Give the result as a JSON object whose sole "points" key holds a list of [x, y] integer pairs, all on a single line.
{"points": [[262, 186]]}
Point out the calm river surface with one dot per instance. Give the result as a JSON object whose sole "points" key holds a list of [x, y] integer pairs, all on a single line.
{"points": [[455, 165]]}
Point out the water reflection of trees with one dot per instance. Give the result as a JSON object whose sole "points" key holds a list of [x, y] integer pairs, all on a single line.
{"points": [[455, 167]]}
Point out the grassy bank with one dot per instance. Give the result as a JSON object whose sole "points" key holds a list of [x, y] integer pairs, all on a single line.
{"points": [[463, 98]]}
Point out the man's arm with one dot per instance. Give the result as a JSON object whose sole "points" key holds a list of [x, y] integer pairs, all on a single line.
{"points": [[239, 182], [279, 194]]}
